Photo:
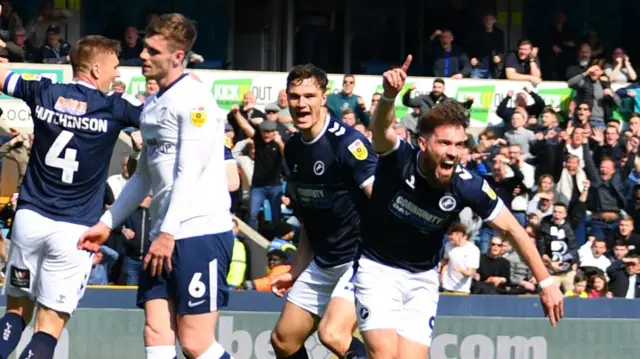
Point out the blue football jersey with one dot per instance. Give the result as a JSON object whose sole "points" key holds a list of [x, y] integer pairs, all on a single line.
{"points": [[75, 129], [327, 178], [410, 218]]}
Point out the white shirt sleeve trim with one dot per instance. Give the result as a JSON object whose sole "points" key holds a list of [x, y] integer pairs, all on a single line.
{"points": [[394, 149], [367, 182], [496, 211]]}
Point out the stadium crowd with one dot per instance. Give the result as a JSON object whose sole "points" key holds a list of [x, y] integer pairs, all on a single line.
{"points": [[570, 175]]}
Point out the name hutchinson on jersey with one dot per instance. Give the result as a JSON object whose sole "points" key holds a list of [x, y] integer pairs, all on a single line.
{"points": [[70, 121], [404, 208]]}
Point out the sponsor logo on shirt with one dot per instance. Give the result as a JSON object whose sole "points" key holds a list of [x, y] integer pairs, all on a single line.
{"points": [[70, 106], [198, 116], [31, 77], [358, 150], [489, 191]]}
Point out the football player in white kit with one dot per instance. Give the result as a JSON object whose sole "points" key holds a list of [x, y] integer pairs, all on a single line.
{"points": [[184, 280]]}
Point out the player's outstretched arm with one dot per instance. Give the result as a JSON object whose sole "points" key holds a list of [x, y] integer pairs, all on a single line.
{"points": [[195, 147], [383, 136], [551, 296], [136, 189]]}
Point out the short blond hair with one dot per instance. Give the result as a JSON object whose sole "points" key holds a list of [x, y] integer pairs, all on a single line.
{"points": [[179, 31], [86, 50]]}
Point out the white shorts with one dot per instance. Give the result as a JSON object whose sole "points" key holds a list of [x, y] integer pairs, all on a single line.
{"points": [[44, 262], [393, 298], [315, 287]]}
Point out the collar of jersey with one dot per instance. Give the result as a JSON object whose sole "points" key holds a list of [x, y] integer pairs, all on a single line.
{"points": [[422, 174], [161, 92], [324, 129], [83, 83]]}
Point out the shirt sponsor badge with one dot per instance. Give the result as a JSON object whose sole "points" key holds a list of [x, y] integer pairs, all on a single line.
{"points": [[30, 77], [489, 191], [358, 150], [198, 116]]}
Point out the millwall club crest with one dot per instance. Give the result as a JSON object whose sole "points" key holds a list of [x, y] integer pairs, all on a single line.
{"points": [[447, 203]]}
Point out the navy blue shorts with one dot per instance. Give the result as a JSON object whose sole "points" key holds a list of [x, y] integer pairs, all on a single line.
{"points": [[198, 282]]}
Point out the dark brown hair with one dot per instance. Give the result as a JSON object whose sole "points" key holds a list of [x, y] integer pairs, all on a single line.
{"points": [[448, 113], [179, 31], [300, 73]]}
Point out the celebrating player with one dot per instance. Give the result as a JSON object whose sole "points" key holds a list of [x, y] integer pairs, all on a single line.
{"points": [[332, 168], [417, 195], [184, 282], [76, 127]]}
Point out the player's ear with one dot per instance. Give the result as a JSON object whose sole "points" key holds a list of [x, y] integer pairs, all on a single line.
{"points": [[422, 143], [178, 57], [324, 98], [95, 70]]}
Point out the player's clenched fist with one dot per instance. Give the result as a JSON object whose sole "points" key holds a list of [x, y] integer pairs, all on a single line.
{"points": [[280, 284], [394, 79], [94, 237]]}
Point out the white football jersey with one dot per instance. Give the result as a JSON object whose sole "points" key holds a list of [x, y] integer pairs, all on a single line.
{"points": [[182, 163]]}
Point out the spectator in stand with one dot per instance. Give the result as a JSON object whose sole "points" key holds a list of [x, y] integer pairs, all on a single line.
{"points": [[582, 62], [521, 200], [608, 144], [600, 288], [625, 234], [348, 117], [284, 115], [557, 243], [579, 288], [486, 49], [269, 148], [623, 281], [272, 113], [116, 183], [338, 102], [135, 231], [597, 49], [131, 48], [594, 89], [520, 102], [102, 261], [247, 111], [523, 65], [151, 87], [375, 99], [592, 254], [47, 16], [118, 86], [543, 199], [572, 189], [447, 59], [606, 196], [18, 149], [504, 179], [276, 264], [55, 50], [521, 278], [10, 21], [460, 263], [559, 43], [493, 274], [427, 101], [410, 122], [620, 250], [519, 135], [620, 69], [18, 50]]}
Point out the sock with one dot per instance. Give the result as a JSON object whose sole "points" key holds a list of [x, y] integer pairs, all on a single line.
{"points": [[161, 352], [12, 326], [41, 346], [215, 351], [356, 350], [300, 354]]}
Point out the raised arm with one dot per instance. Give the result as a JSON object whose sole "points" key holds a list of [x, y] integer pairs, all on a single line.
{"points": [[384, 137]]}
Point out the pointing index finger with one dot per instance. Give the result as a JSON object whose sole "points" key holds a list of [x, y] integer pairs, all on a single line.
{"points": [[407, 63]]}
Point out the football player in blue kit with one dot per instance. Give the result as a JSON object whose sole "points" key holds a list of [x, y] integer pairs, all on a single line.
{"points": [[76, 126], [332, 171], [417, 195]]}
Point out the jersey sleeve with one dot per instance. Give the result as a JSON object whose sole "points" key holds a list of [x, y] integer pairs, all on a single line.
{"points": [[25, 87], [198, 124], [477, 194], [357, 156], [136, 189], [397, 157], [128, 109]]}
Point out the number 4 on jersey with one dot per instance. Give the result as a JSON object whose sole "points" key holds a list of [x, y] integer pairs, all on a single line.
{"points": [[68, 163]]}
